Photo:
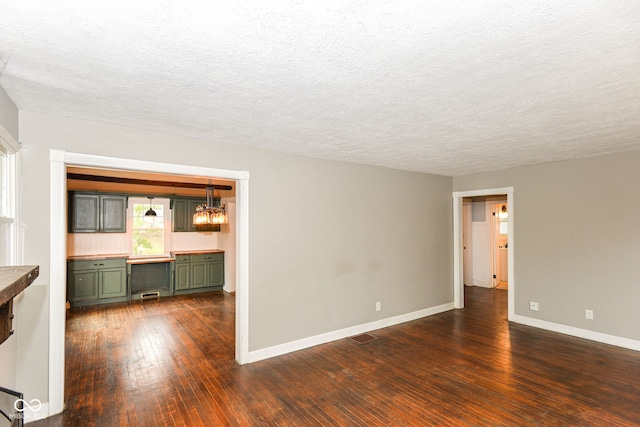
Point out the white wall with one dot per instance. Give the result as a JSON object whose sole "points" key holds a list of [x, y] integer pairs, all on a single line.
{"points": [[8, 115], [227, 242], [577, 240], [117, 243], [327, 239]]}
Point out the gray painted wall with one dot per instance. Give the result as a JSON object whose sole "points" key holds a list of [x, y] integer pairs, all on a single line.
{"points": [[577, 240], [327, 239], [8, 114]]}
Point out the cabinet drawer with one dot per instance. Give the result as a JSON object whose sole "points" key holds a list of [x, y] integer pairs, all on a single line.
{"points": [[207, 257], [183, 259], [92, 265]]}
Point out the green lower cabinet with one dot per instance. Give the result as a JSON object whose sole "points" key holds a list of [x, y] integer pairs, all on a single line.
{"points": [[199, 275], [83, 286], [182, 276], [96, 282], [199, 272], [113, 283], [216, 273]]}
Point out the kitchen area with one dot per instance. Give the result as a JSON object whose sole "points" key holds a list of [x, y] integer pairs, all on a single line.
{"points": [[134, 236]]}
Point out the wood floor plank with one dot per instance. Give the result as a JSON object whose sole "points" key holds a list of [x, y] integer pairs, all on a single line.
{"points": [[170, 363]]}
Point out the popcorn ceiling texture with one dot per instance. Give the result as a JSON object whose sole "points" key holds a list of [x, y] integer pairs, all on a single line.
{"points": [[443, 87]]}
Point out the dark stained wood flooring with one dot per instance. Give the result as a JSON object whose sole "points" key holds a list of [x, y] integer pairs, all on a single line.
{"points": [[170, 363]]}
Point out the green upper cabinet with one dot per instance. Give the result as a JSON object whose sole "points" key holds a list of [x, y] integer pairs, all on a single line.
{"points": [[97, 213], [84, 211], [113, 214], [182, 213]]}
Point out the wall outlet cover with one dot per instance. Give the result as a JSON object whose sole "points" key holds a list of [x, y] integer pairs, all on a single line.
{"points": [[534, 306]]}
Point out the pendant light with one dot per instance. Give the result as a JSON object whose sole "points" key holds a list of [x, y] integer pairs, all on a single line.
{"points": [[209, 216], [150, 214], [503, 214]]}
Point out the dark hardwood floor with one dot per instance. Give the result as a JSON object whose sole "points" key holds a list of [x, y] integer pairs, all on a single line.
{"points": [[171, 363]]}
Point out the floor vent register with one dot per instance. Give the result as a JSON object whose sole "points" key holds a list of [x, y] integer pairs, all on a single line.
{"points": [[363, 338]]}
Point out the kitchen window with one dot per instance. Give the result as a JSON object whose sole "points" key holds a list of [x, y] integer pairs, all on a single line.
{"points": [[149, 234]]}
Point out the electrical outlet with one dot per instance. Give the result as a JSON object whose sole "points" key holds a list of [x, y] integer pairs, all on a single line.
{"points": [[378, 307], [588, 314], [534, 306]]}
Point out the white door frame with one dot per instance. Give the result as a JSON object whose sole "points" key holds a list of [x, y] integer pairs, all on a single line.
{"points": [[59, 160], [458, 256]]}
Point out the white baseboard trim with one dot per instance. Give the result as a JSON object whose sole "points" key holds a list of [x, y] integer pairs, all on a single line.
{"points": [[301, 344], [578, 332], [31, 415]]}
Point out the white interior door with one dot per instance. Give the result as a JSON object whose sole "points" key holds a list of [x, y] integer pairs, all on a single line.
{"points": [[466, 243]]}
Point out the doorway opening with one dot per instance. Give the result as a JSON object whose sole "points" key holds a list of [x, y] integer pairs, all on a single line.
{"points": [[489, 238], [59, 161], [485, 235]]}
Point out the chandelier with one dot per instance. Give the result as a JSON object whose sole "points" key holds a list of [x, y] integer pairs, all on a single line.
{"points": [[209, 216]]}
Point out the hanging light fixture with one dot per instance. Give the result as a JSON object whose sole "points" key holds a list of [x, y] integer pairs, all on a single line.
{"points": [[209, 216], [150, 214], [503, 214]]}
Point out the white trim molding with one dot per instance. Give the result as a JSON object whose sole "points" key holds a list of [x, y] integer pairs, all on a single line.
{"points": [[578, 332], [58, 279], [458, 256], [59, 160], [30, 414], [242, 264], [9, 140], [301, 344]]}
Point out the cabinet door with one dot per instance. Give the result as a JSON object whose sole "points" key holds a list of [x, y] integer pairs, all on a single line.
{"points": [[216, 273], [182, 276], [85, 213], [113, 214], [113, 283], [180, 215], [83, 285], [191, 206], [199, 275]]}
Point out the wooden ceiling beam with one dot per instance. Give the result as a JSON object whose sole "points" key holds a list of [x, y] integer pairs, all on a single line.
{"points": [[132, 181]]}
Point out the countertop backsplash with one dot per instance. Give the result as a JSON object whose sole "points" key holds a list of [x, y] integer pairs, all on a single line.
{"points": [[80, 244]]}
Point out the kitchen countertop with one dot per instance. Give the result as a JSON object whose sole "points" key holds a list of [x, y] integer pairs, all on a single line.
{"points": [[96, 257], [206, 251], [141, 260], [149, 260]]}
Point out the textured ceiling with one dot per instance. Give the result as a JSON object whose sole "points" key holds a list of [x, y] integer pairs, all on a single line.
{"points": [[446, 87]]}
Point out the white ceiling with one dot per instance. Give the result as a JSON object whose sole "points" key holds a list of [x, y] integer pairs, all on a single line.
{"points": [[447, 87]]}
